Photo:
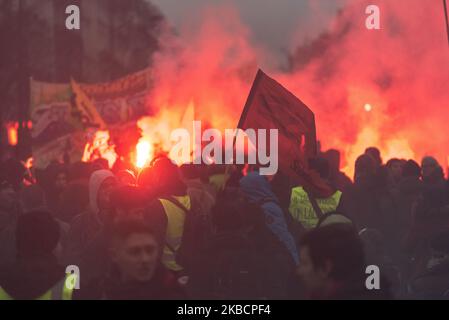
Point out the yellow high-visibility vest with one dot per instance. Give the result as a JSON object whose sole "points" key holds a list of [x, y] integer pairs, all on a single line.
{"points": [[219, 180], [60, 291], [175, 227], [302, 210]]}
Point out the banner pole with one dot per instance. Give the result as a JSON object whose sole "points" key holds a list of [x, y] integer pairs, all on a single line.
{"points": [[447, 20]]}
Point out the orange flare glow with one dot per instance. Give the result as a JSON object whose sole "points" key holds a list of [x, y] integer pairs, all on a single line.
{"points": [[144, 153], [12, 133]]}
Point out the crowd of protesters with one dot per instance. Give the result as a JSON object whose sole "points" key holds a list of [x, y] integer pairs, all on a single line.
{"points": [[224, 232]]}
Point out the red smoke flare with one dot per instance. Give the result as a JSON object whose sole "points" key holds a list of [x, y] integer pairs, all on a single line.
{"points": [[386, 88]]}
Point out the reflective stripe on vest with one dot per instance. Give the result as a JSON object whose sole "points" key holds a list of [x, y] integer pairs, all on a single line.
{"points": [[58, 292], [175, 227], [302, 210]]}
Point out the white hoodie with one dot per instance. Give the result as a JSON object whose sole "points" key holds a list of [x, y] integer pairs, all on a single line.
{"points": [[96, 179]]}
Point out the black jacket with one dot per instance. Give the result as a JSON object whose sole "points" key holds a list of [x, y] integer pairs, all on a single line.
{"points": [[163, 286], [31, 278]]}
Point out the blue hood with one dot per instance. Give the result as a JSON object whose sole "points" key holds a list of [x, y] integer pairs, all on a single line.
{"points": [[256, 187]]}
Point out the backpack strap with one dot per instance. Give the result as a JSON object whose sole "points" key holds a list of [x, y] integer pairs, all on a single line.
{"points": [[294, 227], [175, 202], [170, 247], [180, 206], [315, 206]]}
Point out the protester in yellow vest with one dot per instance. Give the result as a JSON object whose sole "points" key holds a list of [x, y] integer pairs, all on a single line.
{"points": [[219, 176], [306, 207], [60, 291], [171, 201], [175, 227], [36, 274]]}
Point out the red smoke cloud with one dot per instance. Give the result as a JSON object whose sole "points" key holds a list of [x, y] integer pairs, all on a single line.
{"points": [[209, 66], [401, 71]]}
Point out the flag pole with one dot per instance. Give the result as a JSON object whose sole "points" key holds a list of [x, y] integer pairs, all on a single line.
{"points": [[447, 19]]}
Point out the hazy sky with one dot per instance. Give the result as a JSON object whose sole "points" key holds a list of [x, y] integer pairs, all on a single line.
{"points": [[275, 24]]}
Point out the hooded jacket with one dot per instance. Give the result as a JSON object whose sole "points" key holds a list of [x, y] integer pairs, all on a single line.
{"points": [[96, 179], [31, 278], [35, 270], [258, 190], [86, 226]]}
